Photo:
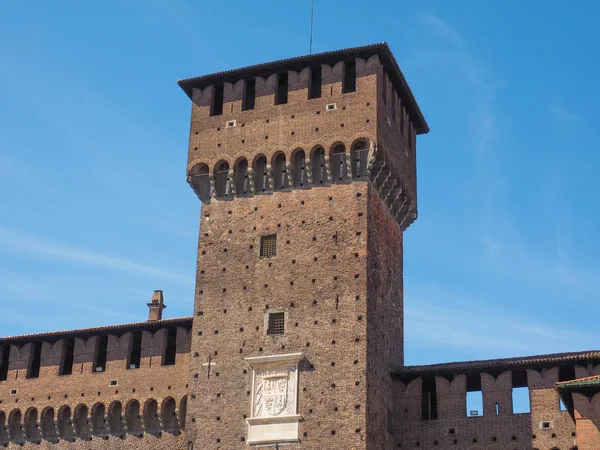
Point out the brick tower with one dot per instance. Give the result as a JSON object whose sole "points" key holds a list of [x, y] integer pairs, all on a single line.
{"points": [[306, 169]]}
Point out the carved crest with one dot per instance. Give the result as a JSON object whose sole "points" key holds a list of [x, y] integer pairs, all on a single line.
{"points": [[275, 394]]}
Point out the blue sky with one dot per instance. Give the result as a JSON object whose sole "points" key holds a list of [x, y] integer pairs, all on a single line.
{"points": [[95, 212]]}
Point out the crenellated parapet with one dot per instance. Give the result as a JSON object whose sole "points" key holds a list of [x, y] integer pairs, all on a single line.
{"points": [[434, 402]]}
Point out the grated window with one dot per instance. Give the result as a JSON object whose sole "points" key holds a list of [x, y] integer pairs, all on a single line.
{"points": [[276, 323], [268, 246]]}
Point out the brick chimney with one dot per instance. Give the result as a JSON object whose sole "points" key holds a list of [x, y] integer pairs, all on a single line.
{"points": [[156, 306]]}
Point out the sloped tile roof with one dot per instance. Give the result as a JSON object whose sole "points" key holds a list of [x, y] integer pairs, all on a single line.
{"points": [[593, 381], [185, 322], [524, 362]]}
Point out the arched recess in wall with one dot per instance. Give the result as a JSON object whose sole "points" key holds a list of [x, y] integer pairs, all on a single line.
{"points": [[299, 175], [222, 183], [15, 431], [47, 425], [80, 422], [242, 186], [261, 177], [280, 175], [199, 178], [98, 421], [359, 155], [32, 431], [337, 159], [169, 415], [65, 428], [150, 414], [115, 419], [317, 165], [132, 418], [182, 412], [3, 431]]}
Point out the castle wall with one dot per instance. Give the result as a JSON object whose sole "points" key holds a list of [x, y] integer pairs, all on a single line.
{"points": [[545, 427], [90, 408]]}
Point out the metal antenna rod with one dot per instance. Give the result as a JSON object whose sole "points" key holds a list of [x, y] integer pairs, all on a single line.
{"points": [[312, 18]]}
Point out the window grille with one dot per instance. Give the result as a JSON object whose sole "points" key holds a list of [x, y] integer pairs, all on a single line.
{"points": [[268, 246], [276, 323]]}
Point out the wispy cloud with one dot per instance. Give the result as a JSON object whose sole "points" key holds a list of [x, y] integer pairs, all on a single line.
{"points": [[563, 113], [36, 247], [443, 28], [443, 319]]}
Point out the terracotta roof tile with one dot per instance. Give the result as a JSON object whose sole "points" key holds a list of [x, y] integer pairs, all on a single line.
{"points": [[496, 364]]}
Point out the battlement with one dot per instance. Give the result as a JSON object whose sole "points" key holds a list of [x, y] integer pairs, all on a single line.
{"points": [[104, 382]]}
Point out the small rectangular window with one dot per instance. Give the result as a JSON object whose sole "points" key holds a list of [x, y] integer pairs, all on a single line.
{"points": [[4, 363], [171, 349], [216, 107], [33, 371], [281, 96], [101, 354], [314, 86], [276, 323], [249, 99], [66, 367], [349, 83], [268, 246], [135, 357]]}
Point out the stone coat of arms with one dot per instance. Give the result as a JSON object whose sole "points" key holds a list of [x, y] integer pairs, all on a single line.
{"points": [[272, 395]]}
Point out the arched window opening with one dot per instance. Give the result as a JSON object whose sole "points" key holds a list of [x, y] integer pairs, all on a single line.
{"points": [[359, 155], [338, 164], [132, 418], [299, 176], [317, 165], [222, 184], [98, 421], [80, 420], [47, 424], [169, 415], [15, 430], [261, 177], [199, 178], [3, 431], [182, 412], [280, 176], [65, 428], [115, 419], [242, 187], [32, 431], [151, 422]]}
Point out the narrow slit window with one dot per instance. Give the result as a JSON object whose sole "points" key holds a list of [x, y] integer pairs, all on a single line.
{"points": [[4, 363], [276, 323], [171, 349], [216, 108], [428, 399], [101, 355], [268, 246], [314, 87], [349, 84], [66, 367], [135, 357], [281, 96], [35, 362], [249, 99]]}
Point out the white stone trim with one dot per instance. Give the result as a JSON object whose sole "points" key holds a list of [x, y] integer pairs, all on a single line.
{"points": [[289, 357]]}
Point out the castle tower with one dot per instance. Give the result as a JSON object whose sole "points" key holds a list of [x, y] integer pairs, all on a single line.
{"points": [[306, 169]]}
